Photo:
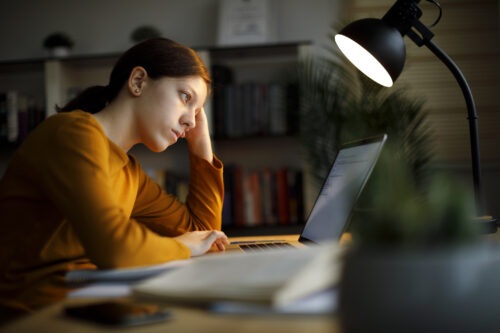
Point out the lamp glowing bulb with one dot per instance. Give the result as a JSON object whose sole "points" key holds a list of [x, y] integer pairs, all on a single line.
{"points": [[363, 60]]}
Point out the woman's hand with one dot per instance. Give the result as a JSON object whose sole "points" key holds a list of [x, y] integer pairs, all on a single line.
{"points": [[198, 138], [199, 242]]}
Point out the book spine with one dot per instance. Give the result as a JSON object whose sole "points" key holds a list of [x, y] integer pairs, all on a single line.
{"points": [[277, 109], [3, 119], [239, 219], [292, 196], [266, 197], [22, 115], [255, 191], [283, 197], [227, 206], [12, 116]]}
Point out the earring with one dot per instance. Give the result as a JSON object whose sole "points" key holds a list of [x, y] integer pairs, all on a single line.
{"points": [[137, 90]]}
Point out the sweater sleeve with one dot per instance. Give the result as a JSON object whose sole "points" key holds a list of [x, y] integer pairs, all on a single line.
{"points": [[167, 216], [75, 173]]}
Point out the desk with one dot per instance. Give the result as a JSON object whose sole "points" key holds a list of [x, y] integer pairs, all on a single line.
{"points": [[185, 319]]}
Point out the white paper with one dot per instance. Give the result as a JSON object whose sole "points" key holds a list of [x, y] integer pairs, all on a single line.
{"points": [[103, 290], [324, 302], [244, 276], [124, 274]]}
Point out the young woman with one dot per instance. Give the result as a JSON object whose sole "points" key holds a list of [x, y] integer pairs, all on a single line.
{"points": [[73, 198]]}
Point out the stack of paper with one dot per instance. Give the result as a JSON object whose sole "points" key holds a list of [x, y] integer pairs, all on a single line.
{"points": [[108, 283], [121, 274], [274, 277]]}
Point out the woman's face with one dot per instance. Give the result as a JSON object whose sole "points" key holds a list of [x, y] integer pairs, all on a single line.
{"points": [[167, 109]]}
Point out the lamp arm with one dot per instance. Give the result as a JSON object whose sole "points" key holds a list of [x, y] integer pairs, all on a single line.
{"points": [[472, 117]]}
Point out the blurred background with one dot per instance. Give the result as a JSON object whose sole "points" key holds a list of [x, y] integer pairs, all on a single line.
{"points": [[270, 152]]}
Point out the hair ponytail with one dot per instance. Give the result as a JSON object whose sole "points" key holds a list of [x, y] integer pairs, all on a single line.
{"points": [[160, 57], [92, 100]]}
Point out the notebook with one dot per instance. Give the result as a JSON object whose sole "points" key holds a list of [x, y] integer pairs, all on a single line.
{"points": [[331, 212]]}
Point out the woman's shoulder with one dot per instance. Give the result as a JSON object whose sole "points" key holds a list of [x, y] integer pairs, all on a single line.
{"points": [[73, 117], [68, 122], [65, 128]]}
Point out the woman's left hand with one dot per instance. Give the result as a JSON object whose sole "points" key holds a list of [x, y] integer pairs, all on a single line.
{"points": [[198, 138], [200, 130]]}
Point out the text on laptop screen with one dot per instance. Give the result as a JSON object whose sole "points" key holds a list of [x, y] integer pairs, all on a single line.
{"points": [[340, 191]]}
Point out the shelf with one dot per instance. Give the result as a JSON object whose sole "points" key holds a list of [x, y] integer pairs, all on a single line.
{"points": [[262, 64], [256, 139], [224, 51], [256, 51]]}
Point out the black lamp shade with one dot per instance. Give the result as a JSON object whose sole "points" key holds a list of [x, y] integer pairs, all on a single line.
{"points": [[381, 41]]}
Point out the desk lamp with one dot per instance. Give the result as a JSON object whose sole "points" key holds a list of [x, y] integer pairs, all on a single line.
{"points": [[376, 48]]}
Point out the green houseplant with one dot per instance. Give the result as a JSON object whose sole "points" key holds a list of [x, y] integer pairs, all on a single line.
{"points": [[417, 263], [58, 44], [338, 105]]}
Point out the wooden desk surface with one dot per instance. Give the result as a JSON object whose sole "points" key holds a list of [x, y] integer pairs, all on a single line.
{"points": [[184, 319]]}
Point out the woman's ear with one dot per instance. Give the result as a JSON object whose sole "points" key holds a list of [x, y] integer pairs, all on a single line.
{"points": [[136, 80]]}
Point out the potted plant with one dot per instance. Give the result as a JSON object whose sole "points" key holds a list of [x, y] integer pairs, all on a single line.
{"points": [[417, 263], [58, 44], [338, 105], [144, 32]]}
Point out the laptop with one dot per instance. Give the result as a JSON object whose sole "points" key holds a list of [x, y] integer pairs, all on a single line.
{"points": [[332, 210]]}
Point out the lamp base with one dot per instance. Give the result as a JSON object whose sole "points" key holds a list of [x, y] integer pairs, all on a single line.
{"points": [[487, 224]]}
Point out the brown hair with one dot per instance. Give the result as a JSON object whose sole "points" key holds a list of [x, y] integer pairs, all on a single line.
{"points": [[160, 57]]}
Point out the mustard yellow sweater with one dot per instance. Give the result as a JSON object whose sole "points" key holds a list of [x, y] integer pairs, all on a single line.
{"points": [[72, 199]]}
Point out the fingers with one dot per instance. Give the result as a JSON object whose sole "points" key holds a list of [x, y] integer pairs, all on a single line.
{"points": [[214, 234], [221, 243], [199, 242], [218, 238]]}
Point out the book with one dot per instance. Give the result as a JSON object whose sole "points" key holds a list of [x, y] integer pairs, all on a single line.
{"points": [[275, 277], [255, 193], [221, 75], [121, 274], [12, 116], [3, 118], [238, 196], [283, 196], [268, 213], [277, 109]]}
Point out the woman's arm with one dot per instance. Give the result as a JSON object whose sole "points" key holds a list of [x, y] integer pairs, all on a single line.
{"points": [[164, 214], [73, 168], [167, 216]]}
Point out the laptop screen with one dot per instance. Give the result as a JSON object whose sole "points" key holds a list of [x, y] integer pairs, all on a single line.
{"points": [[347, 177]]}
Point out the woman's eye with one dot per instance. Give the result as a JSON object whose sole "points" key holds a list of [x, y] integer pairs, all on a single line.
{"points": [[186, 97]]}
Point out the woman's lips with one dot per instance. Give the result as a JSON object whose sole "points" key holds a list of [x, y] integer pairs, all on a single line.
{"points": [[176, 134]]}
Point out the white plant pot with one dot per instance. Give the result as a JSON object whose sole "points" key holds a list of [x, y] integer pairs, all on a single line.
{"points": [[454, 289], [59, 52]]}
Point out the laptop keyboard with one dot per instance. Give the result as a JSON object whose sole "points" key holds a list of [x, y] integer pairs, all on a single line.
{"points": [[265, 246]]}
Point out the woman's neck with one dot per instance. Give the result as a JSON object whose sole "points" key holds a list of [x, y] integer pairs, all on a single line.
{"points": [[117, 122]]}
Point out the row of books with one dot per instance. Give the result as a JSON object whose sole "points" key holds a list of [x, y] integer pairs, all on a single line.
{"points": [[262, 197], [171, 182], [251, 198], [250, 109], [19, 114]]}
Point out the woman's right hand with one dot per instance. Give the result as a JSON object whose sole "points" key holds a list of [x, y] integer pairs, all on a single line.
{"points": [[199, 242]]}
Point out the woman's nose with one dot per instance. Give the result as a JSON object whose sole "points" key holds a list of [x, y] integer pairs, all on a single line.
{"points": [[189, 120]]}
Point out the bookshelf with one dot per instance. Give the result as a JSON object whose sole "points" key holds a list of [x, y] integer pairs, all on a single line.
{"points": [[267, 145]]}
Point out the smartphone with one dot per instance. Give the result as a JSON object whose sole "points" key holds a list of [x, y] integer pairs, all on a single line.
{"points": [[118, 313]]}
